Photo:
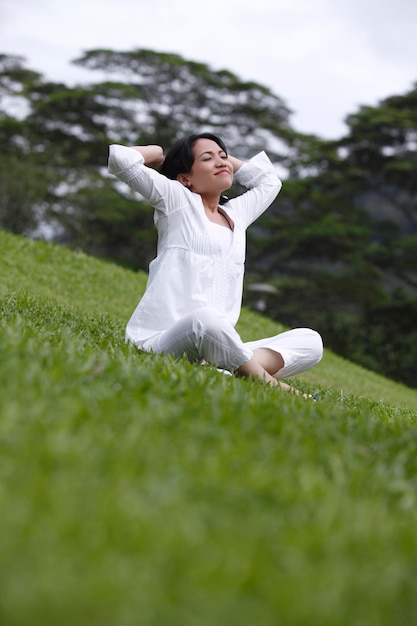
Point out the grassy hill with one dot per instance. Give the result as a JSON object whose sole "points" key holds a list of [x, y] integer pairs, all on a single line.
{"points": [[137, 490]]}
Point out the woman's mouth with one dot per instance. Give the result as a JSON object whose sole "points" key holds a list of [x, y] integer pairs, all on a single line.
{"points": [[223, 172]]}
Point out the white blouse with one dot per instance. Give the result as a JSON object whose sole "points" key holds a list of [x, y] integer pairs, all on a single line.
{"points": [[223, 234], [193, 267]]}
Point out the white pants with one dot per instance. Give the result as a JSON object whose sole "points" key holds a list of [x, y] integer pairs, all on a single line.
{"points": [[205, 334]]}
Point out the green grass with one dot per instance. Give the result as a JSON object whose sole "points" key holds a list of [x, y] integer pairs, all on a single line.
{"points": [[137, 490]]}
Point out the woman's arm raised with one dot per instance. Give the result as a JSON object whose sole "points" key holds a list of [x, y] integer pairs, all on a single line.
{"points": [[128, 164], [152, 154], [237, 163]]}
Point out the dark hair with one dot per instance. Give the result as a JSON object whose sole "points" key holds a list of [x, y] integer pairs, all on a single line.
{"points": [[180, 158]]}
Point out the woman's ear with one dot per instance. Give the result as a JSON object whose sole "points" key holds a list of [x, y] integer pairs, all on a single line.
{"points": [[183, 179]]}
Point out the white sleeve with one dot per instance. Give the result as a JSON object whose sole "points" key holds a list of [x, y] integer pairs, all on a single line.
{"points": [[163, 194], [259, 177]]}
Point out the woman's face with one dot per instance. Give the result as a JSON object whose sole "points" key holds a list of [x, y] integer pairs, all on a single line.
{"points": [[212, 172]]}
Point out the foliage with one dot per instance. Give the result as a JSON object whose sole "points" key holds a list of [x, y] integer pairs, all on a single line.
{"points": [[167, 96], [382, 144], [23, 188]]}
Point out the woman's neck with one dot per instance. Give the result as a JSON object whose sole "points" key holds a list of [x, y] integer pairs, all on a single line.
{"points": [[211, 203], [218, 215]]}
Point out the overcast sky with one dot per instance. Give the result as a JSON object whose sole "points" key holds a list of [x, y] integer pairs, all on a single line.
{"points": [[325, 58]]}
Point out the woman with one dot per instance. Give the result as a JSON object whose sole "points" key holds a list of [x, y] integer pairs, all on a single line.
{"points": [[194, 291]]}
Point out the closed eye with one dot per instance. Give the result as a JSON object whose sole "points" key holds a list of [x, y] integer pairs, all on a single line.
{"points": [[207, 156]]}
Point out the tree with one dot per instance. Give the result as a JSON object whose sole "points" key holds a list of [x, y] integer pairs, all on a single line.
{"points": [[22, 183], [382, 144], [166, 96]]}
